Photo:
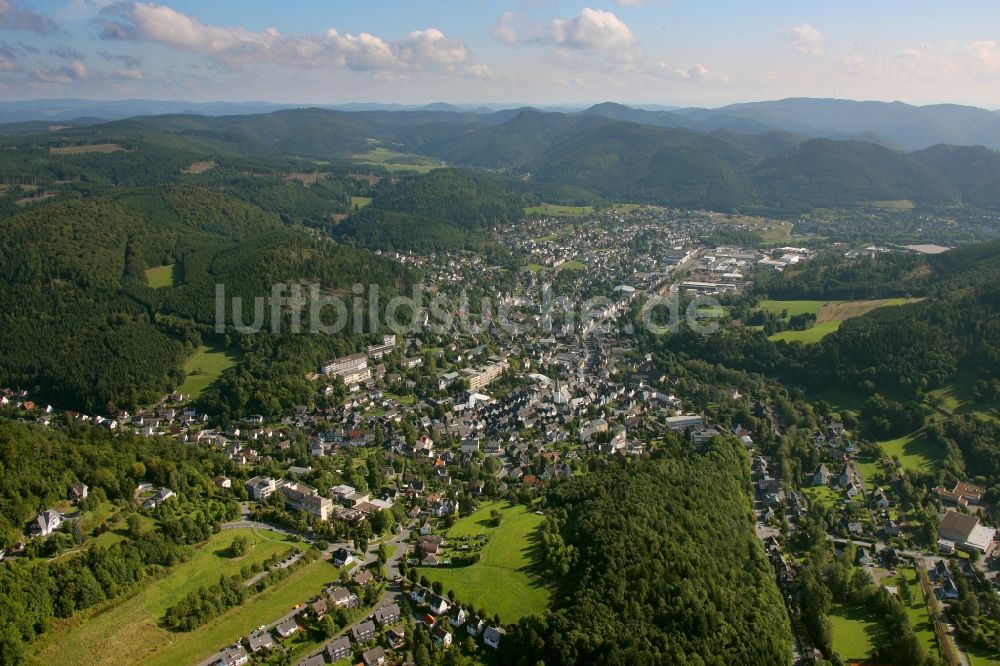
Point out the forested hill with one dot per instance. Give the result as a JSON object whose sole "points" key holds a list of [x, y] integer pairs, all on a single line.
{"points": [[561, 157], [447, 208], [659, 564], [84, 329]]}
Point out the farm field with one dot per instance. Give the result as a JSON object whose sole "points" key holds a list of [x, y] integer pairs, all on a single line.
{"points": [[853, 632], [128, 632], [392, 160], [360, 202], [503, 581], [92, 148], [204, 367], [555, 210], [829, 315], [914, 451], [161, 276]]}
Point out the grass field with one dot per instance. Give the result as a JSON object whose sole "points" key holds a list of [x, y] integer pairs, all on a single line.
{"points": [[533, 267], [128, 632], [920, 617], [956, 398], [396, 161], [360, 202], [869, 468], [204, 367], [505, 580], [555, 210], [161, 276], [897, 204], [809, 336], [853, 632], [823, 495], [573, 266], [829, 315], [914, 451]]}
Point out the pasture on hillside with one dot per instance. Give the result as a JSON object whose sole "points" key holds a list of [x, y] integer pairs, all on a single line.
{"points": [[506, 581]]}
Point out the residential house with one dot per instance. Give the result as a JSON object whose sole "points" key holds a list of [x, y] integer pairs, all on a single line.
{"points": [[261, 641], [457, 616], [437, 605], [441, 636], [491, 636], [822, 476], [342, 557], [363, 632], [234, 656], [374, 657], [338, 648], [78, 491], [387, 615], [46, 523], [287, 628]]}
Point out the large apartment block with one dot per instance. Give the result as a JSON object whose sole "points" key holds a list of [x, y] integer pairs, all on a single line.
{"points": [[478, 378], [352, 369], [380, 350]]}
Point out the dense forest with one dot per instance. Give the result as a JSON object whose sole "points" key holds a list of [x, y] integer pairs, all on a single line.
{"points": [[445, 209], [658, 563], [83, 327]]}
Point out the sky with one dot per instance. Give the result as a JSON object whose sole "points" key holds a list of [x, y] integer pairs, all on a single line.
{"points": [[544, 52]]}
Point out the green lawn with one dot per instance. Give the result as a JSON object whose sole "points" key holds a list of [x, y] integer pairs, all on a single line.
{"points": [[824, 495], [853, 632], [505, 581], [160, 276], [204, 367], [914, 451], [360, 202], [533, 267], [869, 468], [128, 631], [555, 210], [573, 266]]}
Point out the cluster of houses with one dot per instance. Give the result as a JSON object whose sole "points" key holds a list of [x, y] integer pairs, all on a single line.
{"points": [[445, 619]]}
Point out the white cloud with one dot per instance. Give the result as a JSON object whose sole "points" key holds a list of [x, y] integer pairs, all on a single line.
{"points": [[853, 64], [696, 74], [592, 29], [506, 29], [630, 3], [426, 49], [806, 39], [987, 57], [768, 76]]}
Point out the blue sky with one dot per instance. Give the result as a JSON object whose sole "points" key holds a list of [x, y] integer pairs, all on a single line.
{"points": [[522, 51]]}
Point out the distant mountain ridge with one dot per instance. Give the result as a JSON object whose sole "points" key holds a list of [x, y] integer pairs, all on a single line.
{"points": [[893, 124]]}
